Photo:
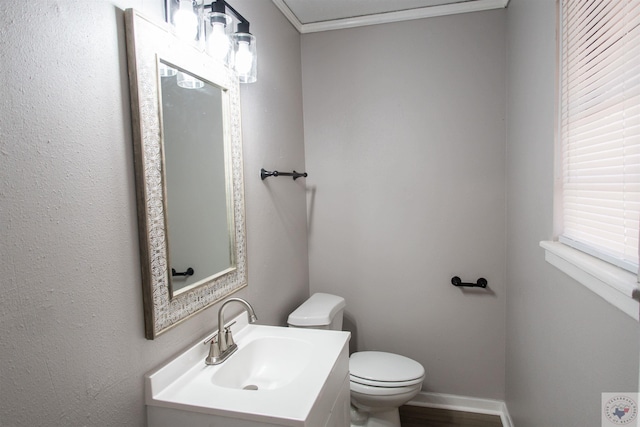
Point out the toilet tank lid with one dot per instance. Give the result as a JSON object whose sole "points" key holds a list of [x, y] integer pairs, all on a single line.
{"points": [[319, 310]]}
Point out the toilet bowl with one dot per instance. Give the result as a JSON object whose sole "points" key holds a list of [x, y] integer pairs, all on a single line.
{"points": [[380, 382]]}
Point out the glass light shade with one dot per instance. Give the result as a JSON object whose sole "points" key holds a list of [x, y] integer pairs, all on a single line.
{"points": [[185, 20], [245, 57], [187, 81], [166, 71], [218, 31]]}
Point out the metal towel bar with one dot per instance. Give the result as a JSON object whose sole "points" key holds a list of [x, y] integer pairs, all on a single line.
{"points": [[265, 174]]}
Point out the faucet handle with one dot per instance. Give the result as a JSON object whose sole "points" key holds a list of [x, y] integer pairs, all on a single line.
{"points": [[211, 338], [229, 325], [214, 350], [228, 338]]}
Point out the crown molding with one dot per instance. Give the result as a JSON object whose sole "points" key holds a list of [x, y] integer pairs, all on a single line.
{"points": [[280, 4], [385, 18]]}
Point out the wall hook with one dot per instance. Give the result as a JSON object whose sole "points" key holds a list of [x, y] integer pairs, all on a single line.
{"points": [[265, 174]]}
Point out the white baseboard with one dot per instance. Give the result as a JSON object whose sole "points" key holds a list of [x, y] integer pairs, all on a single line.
{"points": [[465, 404]]}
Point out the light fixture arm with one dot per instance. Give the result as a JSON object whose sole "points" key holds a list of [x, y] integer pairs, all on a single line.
{"points": [[219, 6]]}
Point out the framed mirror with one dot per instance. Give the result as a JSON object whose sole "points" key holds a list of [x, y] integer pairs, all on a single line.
{"points": [[188, 167]]}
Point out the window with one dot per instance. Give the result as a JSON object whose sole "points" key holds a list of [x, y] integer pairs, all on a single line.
{"points": [[598, 187], [599, 128]]}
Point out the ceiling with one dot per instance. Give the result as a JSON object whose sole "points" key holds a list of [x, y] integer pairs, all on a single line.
{"points": [[322, 15]]}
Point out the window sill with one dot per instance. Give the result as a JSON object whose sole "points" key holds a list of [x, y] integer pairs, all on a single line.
{"points": [[615, 285]]}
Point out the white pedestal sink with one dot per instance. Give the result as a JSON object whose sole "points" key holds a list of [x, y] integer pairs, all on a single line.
{"points": [[278, 376]]}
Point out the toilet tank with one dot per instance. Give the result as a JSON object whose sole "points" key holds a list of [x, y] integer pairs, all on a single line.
{"points": [[320, 311]]}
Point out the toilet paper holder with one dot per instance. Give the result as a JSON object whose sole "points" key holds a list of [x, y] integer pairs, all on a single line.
{"points": [[481, 283]]}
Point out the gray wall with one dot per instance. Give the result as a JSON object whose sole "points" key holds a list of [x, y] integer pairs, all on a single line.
{"points": [[565, 345], [404, 132], [406, 189], [72, 341]]}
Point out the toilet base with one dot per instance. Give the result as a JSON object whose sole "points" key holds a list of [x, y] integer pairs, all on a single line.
{"points": [[385, 418]]}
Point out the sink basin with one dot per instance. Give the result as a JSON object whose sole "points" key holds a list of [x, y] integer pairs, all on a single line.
{"points": [[265, 364], [278, 376]]}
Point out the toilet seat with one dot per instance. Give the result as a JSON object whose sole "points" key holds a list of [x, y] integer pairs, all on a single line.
{"points": [[384, 370], [381, 391]]}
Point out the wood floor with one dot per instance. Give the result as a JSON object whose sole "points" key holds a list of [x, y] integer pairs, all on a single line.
{"points": [[416, 416]]}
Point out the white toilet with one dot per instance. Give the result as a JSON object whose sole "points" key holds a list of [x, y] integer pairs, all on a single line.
{"points": [[380, 382]]}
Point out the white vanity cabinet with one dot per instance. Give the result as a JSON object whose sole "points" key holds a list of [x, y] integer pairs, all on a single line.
{"points": [[340, 415], [278, 377]]}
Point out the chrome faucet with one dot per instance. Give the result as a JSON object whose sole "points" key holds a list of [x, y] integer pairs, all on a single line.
{"points": [[222, 345]]}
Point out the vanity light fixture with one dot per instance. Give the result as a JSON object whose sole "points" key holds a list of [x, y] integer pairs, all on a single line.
{"points": [[210, 26], [243, 51]]}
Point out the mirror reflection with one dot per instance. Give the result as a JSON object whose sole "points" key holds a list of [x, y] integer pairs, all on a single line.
{"points": [[199, 225]]}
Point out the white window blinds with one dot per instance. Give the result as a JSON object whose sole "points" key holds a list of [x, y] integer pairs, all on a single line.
{"points": [[600, 128]]}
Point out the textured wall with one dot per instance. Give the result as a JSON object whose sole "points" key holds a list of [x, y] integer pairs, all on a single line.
{"points": [[274, 140], [565, 345], [404, 132], [72, 347]]}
